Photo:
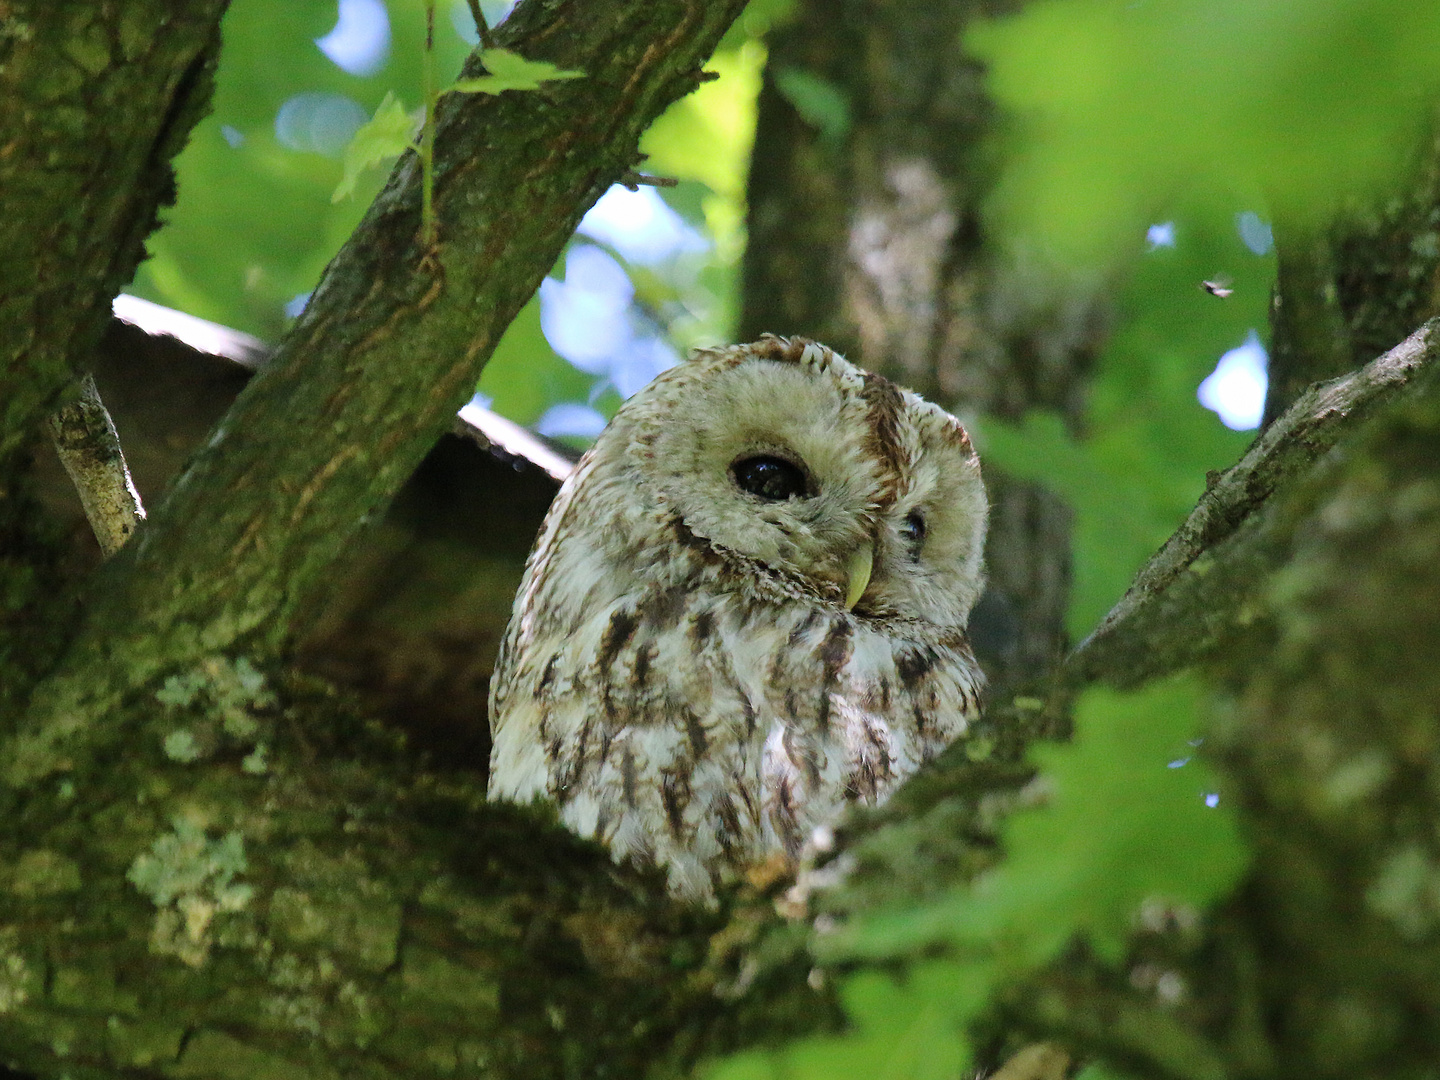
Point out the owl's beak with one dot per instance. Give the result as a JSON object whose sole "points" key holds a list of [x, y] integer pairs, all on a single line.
{"points": [[857, 572]]}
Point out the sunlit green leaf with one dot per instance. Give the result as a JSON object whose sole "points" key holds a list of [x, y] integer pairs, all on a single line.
{"points": [[389, 133], [706, 136], [511, 71]]}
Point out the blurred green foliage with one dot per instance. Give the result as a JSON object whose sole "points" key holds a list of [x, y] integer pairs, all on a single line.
{"points": [[1122, 106], [1120, 114], [1147, 444], [1125, 819]]}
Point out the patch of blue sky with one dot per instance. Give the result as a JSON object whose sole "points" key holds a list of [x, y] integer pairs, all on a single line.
{"points": [[641, 226], [1160, 235], [1255, 232], [360, 42], [1235, 390], [647, 356], [321, 123], [586, 317], [570, 418], [590, 320]]}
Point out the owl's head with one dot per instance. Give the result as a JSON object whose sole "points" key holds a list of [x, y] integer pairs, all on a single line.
{"points": [[826, 481]]}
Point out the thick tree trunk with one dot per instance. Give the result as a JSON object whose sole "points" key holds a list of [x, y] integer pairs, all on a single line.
{"points": [[97, 99], [260, 884], [1347, 293], [870, 170]]}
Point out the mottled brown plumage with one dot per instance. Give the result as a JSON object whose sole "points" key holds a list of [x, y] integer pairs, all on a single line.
{"points": [[745, 611]]}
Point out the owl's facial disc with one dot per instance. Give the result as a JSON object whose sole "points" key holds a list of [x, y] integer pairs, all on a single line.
{"points": [[770, 461], [829, 476]]}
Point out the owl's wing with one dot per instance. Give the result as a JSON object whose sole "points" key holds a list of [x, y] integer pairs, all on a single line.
{"points": [[539, 590]]}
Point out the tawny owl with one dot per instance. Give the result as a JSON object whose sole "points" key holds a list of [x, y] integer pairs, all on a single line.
{"points": [[745, 610]]}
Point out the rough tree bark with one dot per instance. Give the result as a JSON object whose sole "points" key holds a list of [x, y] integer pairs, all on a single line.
{"points": [[98, 99], [872, 161], [1346, 293]]}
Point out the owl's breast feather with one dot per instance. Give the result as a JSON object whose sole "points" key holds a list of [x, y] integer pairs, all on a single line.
{"points": [[709, 730]]}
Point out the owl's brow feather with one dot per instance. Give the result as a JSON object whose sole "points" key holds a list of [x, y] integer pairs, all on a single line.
{"points": [[886, 403]]}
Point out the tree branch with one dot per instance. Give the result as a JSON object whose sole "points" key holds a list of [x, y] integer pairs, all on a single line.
{"points": [[98, 100], [1195, 587], [384, 355]]}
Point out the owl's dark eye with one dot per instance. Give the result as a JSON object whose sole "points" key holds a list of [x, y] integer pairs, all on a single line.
{"points": [[913, 530], [769, 477]]}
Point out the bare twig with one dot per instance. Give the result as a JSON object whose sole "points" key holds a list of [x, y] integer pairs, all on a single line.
{"points": [[481, 26], [633, 180], [89, 448]]}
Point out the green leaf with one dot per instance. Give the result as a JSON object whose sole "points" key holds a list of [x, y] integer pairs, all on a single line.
{"points": [[1113, 103], [389, 133], [910, 1028], [820, 103], [511, 71], [1127, 819]]}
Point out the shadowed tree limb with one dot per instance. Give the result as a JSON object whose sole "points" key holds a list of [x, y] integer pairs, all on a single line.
{"points": [[98, 100]]}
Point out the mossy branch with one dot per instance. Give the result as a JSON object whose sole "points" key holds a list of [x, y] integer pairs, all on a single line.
{"points": [[383, 356]]}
